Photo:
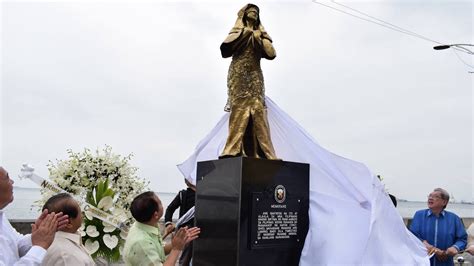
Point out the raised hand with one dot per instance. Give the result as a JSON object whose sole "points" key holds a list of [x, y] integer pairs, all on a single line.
{"points": [[62, 219], [184, 236], [192, 233], [43, 235], [179, 240], [41, 218]]}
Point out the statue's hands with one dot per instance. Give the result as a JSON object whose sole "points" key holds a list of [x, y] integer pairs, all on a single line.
{"points": [[247, 31], [257, 34], [257, 37]]}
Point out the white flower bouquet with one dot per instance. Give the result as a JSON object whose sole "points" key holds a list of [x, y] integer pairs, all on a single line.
{"points": [[108, 182]]}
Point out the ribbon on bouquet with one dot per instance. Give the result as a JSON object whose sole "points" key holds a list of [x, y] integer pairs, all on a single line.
{"points": [[27, 172]]}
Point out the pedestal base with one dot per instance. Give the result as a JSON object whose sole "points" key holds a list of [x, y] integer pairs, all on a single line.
{"points": [[251, 212]]}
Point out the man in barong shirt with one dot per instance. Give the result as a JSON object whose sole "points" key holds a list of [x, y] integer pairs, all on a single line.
{"points": [[67, 247], [442, 232]]}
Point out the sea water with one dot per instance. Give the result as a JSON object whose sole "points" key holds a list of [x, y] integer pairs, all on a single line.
{"points": [[22, 206]]}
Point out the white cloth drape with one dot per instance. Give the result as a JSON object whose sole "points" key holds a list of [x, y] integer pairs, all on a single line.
{"points": [[351, 219]]}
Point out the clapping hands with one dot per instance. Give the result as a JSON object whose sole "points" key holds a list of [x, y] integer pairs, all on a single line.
{"points": [[444, 255], [45, 227], [184, 236], [168, 230], [61, 219]]}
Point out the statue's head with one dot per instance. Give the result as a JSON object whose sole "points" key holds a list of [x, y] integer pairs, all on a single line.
{"points": [[250, 12]]}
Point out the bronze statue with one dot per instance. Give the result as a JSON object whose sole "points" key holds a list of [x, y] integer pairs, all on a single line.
{"points": [[247, 43]]}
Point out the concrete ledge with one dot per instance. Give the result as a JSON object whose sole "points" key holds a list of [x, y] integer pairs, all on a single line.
{"points": [[23, 226]]}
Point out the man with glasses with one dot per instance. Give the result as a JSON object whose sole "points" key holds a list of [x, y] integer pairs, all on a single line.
{"points": [[441, 231]]}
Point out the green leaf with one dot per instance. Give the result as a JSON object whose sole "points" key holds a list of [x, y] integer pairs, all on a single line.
{"points": [[90, 197], [99, 190]]}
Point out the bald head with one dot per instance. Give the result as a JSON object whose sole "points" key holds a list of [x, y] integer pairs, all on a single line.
{"points": [[6, 188], [3, 172]]}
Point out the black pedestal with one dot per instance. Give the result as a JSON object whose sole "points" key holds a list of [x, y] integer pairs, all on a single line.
{"points": [[251, 212]]}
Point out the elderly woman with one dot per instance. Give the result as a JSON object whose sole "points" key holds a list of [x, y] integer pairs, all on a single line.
{"points": [[247, 43]]}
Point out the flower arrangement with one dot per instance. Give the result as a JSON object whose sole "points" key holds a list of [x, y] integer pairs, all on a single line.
{"points": [[106, 181]]}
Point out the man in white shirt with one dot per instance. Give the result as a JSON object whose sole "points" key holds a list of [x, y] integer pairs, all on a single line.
{"points": [[16, 249], [67, 248]]}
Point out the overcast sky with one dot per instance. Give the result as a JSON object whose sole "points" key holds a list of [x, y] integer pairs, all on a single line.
{"points": [[148, 78]]}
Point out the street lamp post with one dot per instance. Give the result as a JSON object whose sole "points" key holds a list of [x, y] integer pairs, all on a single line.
{"points": [[461, 46]]}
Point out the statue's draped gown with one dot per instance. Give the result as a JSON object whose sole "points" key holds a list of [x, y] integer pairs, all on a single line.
{"points": [[249, 132]]}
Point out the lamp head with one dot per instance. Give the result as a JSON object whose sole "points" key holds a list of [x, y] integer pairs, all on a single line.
{"points": [[441, 47]]}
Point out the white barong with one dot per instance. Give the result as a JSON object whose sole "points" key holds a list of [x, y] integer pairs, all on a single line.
{"points": [[351, 218]]}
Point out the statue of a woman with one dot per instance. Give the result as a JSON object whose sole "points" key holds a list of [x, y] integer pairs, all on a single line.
{"points": [[247, 43]]}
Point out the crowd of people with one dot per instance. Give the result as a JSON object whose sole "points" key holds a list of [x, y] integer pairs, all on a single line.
{"points": [[55, 240]]}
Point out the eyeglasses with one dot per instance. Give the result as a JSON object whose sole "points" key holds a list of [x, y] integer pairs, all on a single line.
{"points": [[434, 196]]}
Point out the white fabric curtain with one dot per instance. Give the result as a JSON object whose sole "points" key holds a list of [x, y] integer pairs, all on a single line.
{"points": [[352, 221]]}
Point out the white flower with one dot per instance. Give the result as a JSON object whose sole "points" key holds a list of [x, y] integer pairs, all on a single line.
{"points": [[81, 230], [105, 203], [110, 241], [91, 246], [89, 215], [108, 228], [91, 231]]}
